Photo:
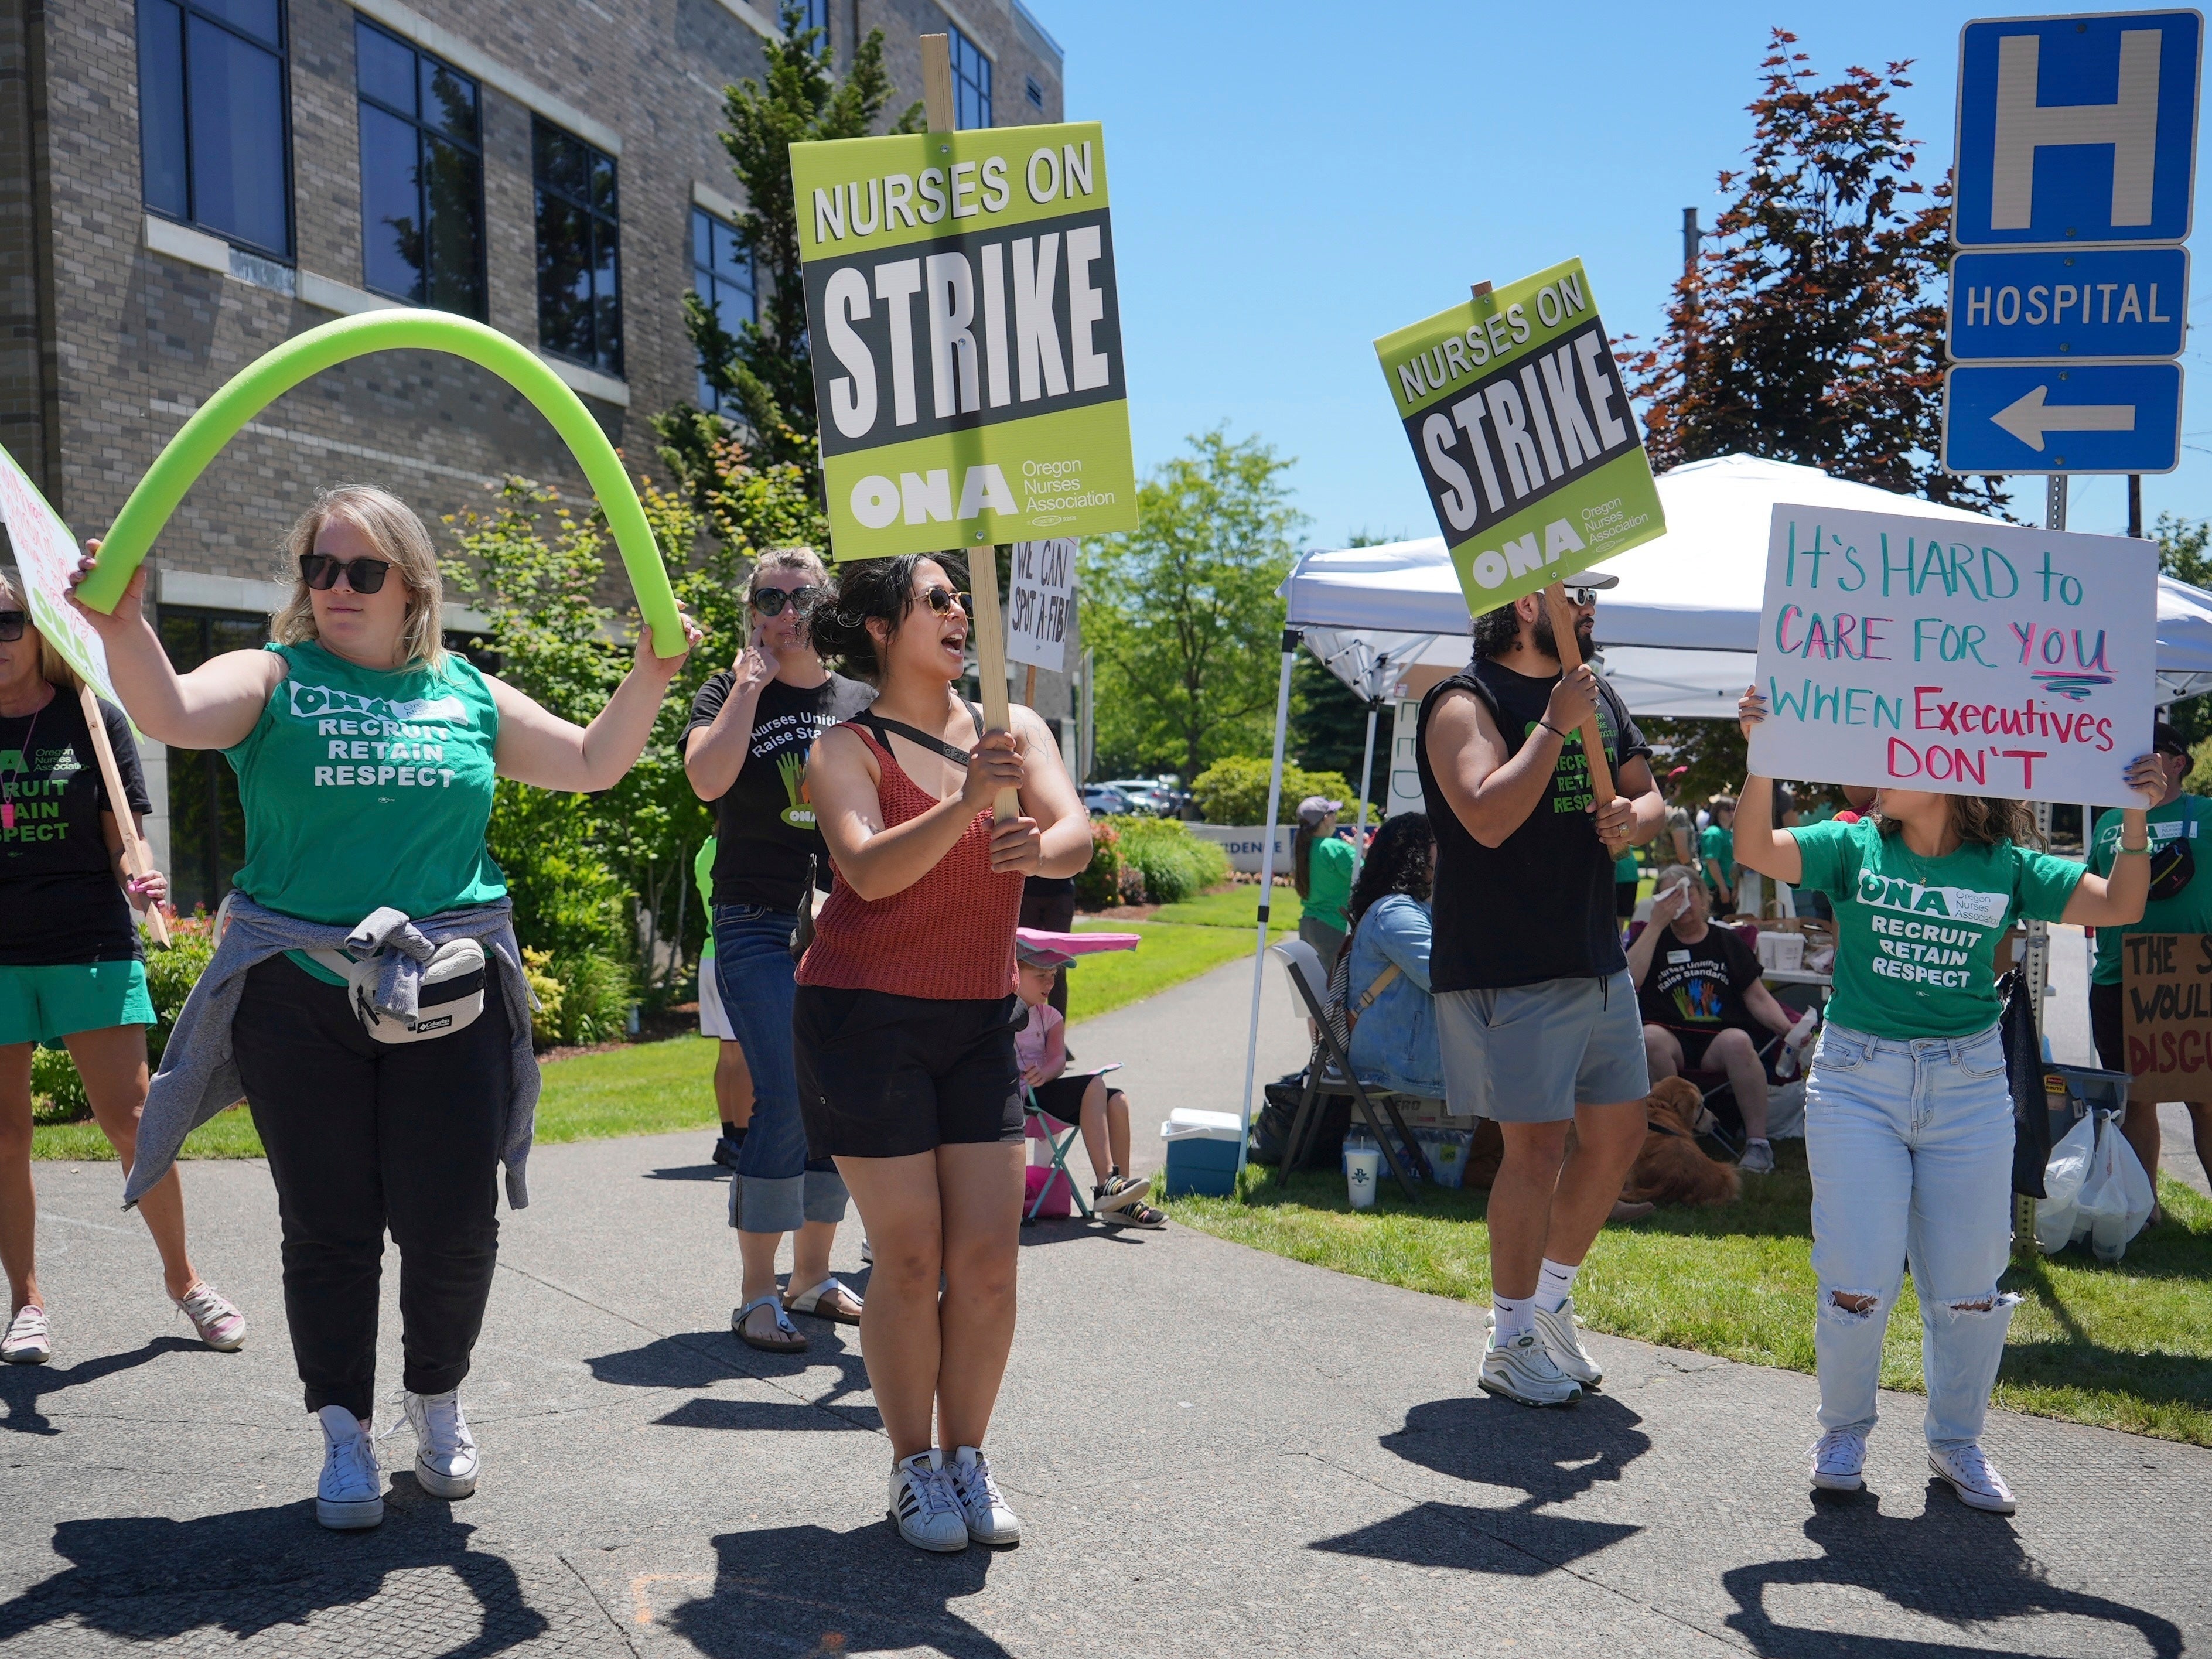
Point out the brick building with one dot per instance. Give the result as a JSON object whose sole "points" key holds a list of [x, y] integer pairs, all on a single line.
{"points": [[185, 184]]}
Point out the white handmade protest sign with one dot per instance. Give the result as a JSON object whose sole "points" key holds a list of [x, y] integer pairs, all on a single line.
{"points": [[1970, 659], [1040, 601], [45, 553]]}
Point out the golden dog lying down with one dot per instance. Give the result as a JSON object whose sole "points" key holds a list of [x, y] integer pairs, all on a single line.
{"points": [[1673, 1168]]}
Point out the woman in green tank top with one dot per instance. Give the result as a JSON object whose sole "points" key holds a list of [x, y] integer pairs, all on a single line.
{"points": [[366, 754]]}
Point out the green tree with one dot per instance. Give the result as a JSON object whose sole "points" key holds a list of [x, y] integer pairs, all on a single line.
{"points": [[1811, 327], [1182, 613], [765, 366]]}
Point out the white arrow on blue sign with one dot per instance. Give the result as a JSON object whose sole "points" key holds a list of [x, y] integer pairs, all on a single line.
{"points": [[2069, 302], [2069, 418], [2079, 129]]}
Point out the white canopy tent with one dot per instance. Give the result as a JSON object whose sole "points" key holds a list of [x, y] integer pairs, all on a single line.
{"points": [[1678, 637]]}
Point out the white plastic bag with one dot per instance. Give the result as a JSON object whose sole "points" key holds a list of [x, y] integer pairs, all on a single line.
{"points": [[2116, 1199], [2063, 1178]]}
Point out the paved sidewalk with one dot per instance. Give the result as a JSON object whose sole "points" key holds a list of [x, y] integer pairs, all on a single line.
{"points": [[1213, 1451]]}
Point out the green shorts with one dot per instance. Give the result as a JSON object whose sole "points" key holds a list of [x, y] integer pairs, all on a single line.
{"points": [[41, 1004]]}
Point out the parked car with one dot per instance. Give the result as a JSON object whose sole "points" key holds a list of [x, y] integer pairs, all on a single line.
{"points": [[1145, 795], [1104, 801]]}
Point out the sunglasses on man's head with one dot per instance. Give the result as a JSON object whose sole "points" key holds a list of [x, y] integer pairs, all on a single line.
{"points": [[11, 625], [942, 599], [364, 575], [770, 601]]}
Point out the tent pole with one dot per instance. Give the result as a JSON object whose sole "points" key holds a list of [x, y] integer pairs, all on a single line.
{"points": [[1366, 767], [1291, 637]]}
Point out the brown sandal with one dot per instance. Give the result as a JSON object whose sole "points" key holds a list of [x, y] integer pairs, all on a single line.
{"points": [[789, 1338], [829, 1300]]}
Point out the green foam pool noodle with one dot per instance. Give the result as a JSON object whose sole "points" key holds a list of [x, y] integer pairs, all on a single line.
{"points": [[270, 376]]}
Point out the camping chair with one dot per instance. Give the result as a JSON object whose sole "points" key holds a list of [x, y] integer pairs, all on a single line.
{"points": [[1329, 1072], [1038, 1125]]}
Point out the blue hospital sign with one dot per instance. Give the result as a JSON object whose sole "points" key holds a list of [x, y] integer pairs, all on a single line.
{"points": [[2076, 130]]}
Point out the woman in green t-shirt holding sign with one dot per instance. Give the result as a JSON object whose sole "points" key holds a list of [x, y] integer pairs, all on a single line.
{"points": [[1908, 1111]]}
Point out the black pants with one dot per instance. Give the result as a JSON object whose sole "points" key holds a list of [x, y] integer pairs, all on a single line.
{"points": [[363, 1135], [1049, 907]]}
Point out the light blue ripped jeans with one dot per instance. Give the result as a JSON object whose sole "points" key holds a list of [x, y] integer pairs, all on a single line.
{"points": [[1911, 1149]]}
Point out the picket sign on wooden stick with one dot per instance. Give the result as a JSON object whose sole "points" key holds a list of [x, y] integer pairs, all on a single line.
{"points": [[1569, 644], [988, 627], [136, 858]]}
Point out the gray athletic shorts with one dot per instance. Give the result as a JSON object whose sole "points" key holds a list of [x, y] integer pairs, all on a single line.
{"points": [[1534, 1052]]}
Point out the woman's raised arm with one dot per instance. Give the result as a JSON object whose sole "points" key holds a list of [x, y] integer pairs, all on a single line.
{"points": [[214, 707], [536, 746], [1759, 845]]}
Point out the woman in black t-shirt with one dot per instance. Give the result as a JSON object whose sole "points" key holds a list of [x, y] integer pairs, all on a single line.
{"points": [[745, 752], [70, 970]]}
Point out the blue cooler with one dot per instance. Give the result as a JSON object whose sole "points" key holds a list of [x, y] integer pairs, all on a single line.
{"points": [[1202, 1150]]}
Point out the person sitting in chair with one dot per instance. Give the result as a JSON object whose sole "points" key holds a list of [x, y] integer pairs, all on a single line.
{"points": [[1103, 1113], [1393, 1021], [1704, 1002]]}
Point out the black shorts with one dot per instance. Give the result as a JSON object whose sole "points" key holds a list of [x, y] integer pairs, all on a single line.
{"points": [[1062, 1097], [885, 1076], [2107, 1023], [1694, 1044]]}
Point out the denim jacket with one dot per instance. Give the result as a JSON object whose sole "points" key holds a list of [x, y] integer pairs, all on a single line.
{"points": [[1394, 1043]]}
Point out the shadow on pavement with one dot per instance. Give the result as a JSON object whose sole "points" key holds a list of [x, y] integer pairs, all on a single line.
{"points": [[689, 1172], [807, 1589], [701, 1360], [1947, 1563], [1074, 1228], [23, 1386], [146, 1578]]}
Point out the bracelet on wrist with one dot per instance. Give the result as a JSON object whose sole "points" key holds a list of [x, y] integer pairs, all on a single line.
{"points": [[1553, 730], [2144, 848]]}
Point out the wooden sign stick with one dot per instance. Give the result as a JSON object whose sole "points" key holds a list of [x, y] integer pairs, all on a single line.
{"points": [[136, 858], [1569, 645], [1029, 686], [989, 630]]}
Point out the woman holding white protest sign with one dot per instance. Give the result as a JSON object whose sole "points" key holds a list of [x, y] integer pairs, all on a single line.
{"points": [[366, 995], [71, 969], [1908, 1111]]}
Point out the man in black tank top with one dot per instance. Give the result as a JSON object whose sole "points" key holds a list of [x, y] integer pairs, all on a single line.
{"points": [[1535, 1016]]}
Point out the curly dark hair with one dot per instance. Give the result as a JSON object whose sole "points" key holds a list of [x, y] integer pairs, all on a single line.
{"points": [[1401, 859], [869, 589]]}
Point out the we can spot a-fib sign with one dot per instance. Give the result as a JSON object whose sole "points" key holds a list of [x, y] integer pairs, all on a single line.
{"points": [[967, 338], [1525, 439]]}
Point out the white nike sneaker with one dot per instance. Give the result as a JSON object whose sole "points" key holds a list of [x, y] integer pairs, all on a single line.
{"points": [[981, 1505], [444, 1450], [926, 1506], [1838, 1459], [1974, 1479], [1525, 1372], [351, 1494], [1565, 1344]]}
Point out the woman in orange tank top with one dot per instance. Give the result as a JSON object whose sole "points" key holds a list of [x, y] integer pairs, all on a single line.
{"points": [[902, 1027]]}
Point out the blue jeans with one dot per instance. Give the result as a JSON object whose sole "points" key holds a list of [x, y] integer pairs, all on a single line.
{"points": [[1911, 1149], [777, 1186]]}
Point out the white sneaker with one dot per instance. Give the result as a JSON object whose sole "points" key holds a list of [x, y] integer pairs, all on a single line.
{"points": [[1565, 1344], [1757, 1158], [1526, 1372], [444, 1450], [925, 1505], [1838, 1457], [1972, 1476], [351, 1492], [28, 1342], [989, 1521]]}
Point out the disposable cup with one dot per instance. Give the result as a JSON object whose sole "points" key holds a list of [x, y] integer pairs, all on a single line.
{"points": [[1362, 1172]]}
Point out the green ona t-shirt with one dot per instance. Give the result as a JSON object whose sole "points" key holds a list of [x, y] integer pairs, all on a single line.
{"points": [[1916, 939], [2180, 887], [1328, 881], [364, 787]]}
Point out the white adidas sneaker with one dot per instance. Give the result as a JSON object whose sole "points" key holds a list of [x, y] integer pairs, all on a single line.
{"points": [[981, 1504], [925, 1504]]}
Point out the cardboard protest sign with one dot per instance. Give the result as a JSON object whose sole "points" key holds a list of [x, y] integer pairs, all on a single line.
{"points": [[2166, 981], [1523, 434], [967, 338], [45, 553], [1967, 659], [1040, 597]]}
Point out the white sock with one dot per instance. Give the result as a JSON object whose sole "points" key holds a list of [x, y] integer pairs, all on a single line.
{"points": [[1514, 1322], [1555, 1284]]}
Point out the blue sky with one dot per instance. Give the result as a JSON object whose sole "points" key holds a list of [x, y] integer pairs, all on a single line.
{"points": [[1292, 180]]}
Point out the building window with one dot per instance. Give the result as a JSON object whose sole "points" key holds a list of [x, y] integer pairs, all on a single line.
{"points": [[971, 81], [421, 176], [815, 14], [578, 250], [722, 277], [1033, 91], [214, 130], [207, 826]]}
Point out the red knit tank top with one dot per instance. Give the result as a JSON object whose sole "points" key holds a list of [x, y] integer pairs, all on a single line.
{"points": [[948, 937]]}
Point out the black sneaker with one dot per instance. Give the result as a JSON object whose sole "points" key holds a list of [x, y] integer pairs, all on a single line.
{"points": [[1135, 1215]]}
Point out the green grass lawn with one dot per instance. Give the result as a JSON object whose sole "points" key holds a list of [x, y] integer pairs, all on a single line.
{"points": [[2128, 1346], [1172, 952]]}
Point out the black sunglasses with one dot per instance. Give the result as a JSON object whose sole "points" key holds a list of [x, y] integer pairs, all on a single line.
{"points": [[942, 599], [11, 625], [770, 601], [321, 572]]}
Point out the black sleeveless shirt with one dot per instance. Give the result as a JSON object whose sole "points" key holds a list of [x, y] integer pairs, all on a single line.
{"points": [[1539, 906]]}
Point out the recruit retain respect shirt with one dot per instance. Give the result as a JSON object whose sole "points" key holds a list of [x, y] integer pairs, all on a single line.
{"points": [[57, 891], [1916, 939], [2180, 886]]}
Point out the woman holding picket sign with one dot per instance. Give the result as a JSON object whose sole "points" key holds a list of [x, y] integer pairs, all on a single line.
{"points": [[903, 1021], [366, 994], [1908, 1111]]}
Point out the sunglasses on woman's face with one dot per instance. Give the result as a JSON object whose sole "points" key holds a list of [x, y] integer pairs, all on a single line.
{"points": [[942, 600], [11, 626], [321, 572], [770, 601]]}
